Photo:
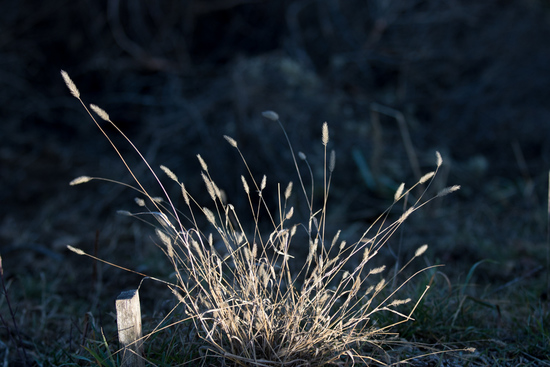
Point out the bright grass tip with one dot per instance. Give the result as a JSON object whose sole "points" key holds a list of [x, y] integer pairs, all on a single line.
{"points": [[70, 84], [169, 173], [325, 133], [272, 115], [264, 182], [399, 192], [100, 112], [126, 213], [399, 302], [76, 250], [426, 177], [80, 180], [204, 166], [209, 186], [289, 213], [185, 195], [421, 250], [245, 185], [231, 141], [288, 190], [406, 214], [139, 201], [377, 270], [439, 159], [448, 190], [209, 215], [302, 156]]}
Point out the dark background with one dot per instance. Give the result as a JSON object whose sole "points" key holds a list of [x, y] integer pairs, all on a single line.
{"points": [[472, 79]]}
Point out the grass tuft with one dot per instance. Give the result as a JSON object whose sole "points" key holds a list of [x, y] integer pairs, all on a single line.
{"points": [[252, 303]]}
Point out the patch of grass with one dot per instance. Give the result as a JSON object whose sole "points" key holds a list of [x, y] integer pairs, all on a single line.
{"points": [[244, 299]]}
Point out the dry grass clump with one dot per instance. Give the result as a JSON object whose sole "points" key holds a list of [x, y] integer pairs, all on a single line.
{"points": [[246, 302]]}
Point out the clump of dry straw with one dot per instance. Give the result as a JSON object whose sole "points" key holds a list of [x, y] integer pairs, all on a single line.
{"points": [[247, 305]]}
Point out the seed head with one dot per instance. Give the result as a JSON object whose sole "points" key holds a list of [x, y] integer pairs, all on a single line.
{"points": [[288, 190], [231, 141], [421, 250], [100, 112], [169, 173], [203, 163], [264, 181], [245, 185], [439, 159], [76, 250], [426, 177], [448, 190], [70, 84], [325, 133], [272, 115], [80, 180], [399, 191]]}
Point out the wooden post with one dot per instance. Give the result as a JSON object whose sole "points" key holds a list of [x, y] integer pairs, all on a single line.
{"points": [[128, 313]]}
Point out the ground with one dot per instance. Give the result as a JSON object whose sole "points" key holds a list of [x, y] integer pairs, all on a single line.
{"points": [[396, 82]]}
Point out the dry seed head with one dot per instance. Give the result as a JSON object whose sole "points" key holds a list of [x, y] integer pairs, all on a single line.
{"points": [[406, 214], [178, 296], [312, 250], [157, 199], [254, 252], [203, 163], [342, 245], [325, 133], [332, 161], [293, 230], [426, 177], [448, 190], [169, 173], [302, 156], [288, 190], [399, 191], [421, 250], [185, 194], [139, 201], [272, 115], [335, 238], [209, 186], [264, 181], [245, 185], [377, 270], [209, 215], [246, 251], [196, 246], [399, 302], [289, 213], [231, 141], [380, 285], [366, 254], [167, 241], [439, 159], [70, 84], [369, 289], [100, 112], [80, 180], [124, 212], [219, 194], [76, 250]]}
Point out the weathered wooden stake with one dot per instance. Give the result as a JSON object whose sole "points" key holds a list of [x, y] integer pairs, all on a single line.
{"points": [[128, 312]]}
